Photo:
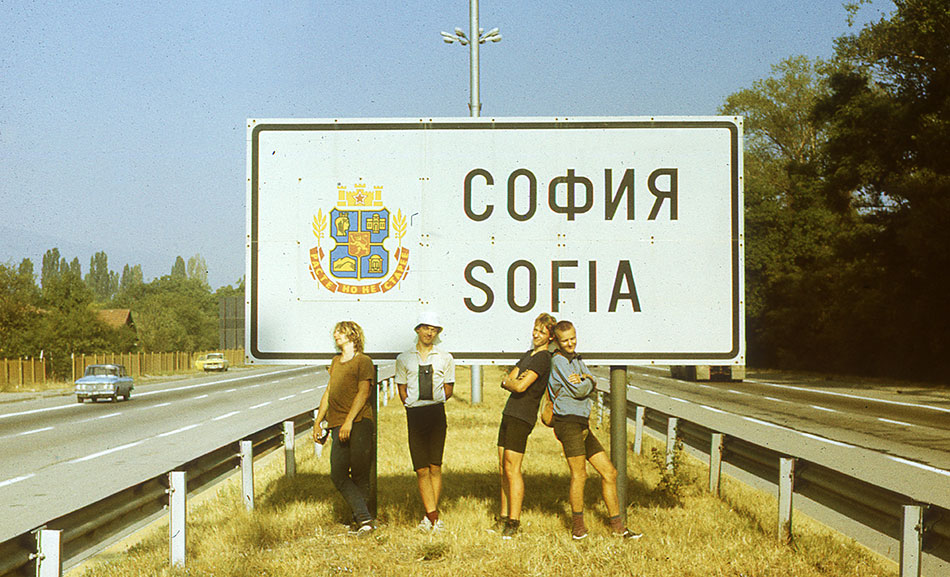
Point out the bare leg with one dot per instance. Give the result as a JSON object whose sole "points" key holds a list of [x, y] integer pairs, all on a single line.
{"points": [[435, 477], [429, 500], [608, 482], [578, 467], [504, 482], [515, 482]]}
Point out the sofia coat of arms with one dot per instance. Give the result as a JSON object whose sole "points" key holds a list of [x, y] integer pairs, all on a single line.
{"points": [[359, 262]]}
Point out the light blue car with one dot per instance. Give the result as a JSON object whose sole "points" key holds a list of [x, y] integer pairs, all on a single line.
{"points": [[104, 382]]}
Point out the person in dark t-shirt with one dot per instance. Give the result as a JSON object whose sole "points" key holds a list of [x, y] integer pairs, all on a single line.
{"points": [[527, 383]]}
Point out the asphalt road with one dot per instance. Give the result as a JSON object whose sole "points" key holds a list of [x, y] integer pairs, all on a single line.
{"points": [[910, 423], [58, 455]]}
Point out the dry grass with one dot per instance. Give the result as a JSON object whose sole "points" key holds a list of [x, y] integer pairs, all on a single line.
{"points": [[296, 528]]}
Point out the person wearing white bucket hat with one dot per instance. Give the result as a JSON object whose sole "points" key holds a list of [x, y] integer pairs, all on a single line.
{"points": [[425, 377]]}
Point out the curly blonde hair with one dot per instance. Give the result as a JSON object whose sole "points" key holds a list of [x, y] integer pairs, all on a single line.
{"points": [[353, 332], [546, 321]]}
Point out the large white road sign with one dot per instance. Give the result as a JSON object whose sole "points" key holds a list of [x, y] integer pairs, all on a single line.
{"points": [[629, 227]]}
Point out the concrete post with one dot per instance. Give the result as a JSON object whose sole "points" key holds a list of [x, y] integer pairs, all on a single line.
{"points": [[912, 539], [177, 512], [247, 474], [786, 486], [290, 461], [49, 553], [618, 432], [715, 463], [672, 427], [638, 432]]}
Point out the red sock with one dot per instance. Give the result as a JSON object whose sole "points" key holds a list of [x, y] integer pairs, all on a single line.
{"points": [[433, 516]]}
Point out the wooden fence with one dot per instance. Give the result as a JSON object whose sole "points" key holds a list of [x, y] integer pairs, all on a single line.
{"points": [[23, 373]]}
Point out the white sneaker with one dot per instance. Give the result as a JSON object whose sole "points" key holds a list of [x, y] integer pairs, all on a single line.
{"points": [[437, 526], [425, 524]]}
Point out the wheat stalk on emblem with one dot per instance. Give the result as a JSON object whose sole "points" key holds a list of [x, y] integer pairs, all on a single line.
{"points": [[399, 226], [319, 225]]}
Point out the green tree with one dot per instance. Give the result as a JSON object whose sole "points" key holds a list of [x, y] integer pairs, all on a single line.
{"points": [[198, 269], [792, 232], [103, 282], [178, 269], [52, 265], [888, 151], [19, 314], [176, 314]]}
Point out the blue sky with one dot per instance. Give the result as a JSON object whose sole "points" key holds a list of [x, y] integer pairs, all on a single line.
{"points": [[122, 124]]}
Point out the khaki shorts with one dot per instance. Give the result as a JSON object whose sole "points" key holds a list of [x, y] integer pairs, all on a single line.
{"points": [[576, 438]]}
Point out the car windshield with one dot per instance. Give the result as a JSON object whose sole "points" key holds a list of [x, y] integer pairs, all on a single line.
{"points": [[101, 372]]}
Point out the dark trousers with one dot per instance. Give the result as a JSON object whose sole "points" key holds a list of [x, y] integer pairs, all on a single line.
{"points": [[350, 467]]}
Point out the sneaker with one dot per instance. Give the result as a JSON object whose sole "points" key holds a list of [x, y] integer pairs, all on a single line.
{"points": [[425, 525], [577, 536], [628, 534], [363, 530], [437, 526], [511, 529], [498, 525]]}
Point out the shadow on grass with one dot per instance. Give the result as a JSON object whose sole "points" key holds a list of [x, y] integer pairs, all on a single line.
{"points": [[398, 497]]}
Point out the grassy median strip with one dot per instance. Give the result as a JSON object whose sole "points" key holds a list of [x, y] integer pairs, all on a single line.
{"points": [[297, 527]]}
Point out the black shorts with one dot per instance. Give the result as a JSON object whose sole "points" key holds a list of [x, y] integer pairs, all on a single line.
{"points": [[513, 433], [576, 438], [426, 434]]}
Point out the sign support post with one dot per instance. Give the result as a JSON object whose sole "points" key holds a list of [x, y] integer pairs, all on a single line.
{"points": [[618, 433]]}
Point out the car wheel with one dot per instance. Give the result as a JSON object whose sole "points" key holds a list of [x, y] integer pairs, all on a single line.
{"points": [[127, 395], [79, 400]]}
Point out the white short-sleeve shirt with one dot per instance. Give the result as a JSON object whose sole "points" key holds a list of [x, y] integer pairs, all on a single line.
{"points": [[408, 370]]}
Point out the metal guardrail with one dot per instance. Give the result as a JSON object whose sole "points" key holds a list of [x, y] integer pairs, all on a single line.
{"points": [[89, 529], [863, 494]]}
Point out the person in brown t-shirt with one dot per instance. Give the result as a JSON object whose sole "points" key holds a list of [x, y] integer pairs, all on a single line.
{"points": [[346, 408]]}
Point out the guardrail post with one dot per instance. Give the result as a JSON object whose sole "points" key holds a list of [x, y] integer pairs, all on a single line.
{"points": [[476, 384], [912, 538], [177, 511], [618, 432], [290, 461], [638, 430], [786, 485], [672, 425], [715, 463], [49, 553], [247, 474]]}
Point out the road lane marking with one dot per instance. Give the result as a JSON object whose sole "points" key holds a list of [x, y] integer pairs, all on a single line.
{"points": [[16, 479], [761, 422], [226, 415], [850, 396], [820, 408], [738, 392], [776, 400], [287, 397], [200, 397], [825, 440], [264, 404], [33, 431], [181, 430], [109, 416], [919, 465], [714, 409], [230, 390], [161, 405], [34, 411], [893, 422], [106, 452], [186, 387], [680, 400], [306, 391]]}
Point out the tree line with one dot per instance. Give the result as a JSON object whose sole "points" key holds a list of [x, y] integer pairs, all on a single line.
{"points": [[847, 202], [59, 316]]}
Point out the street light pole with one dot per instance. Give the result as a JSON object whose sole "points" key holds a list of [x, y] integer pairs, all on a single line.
{"points": [[474, 38], [475, 106]]}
